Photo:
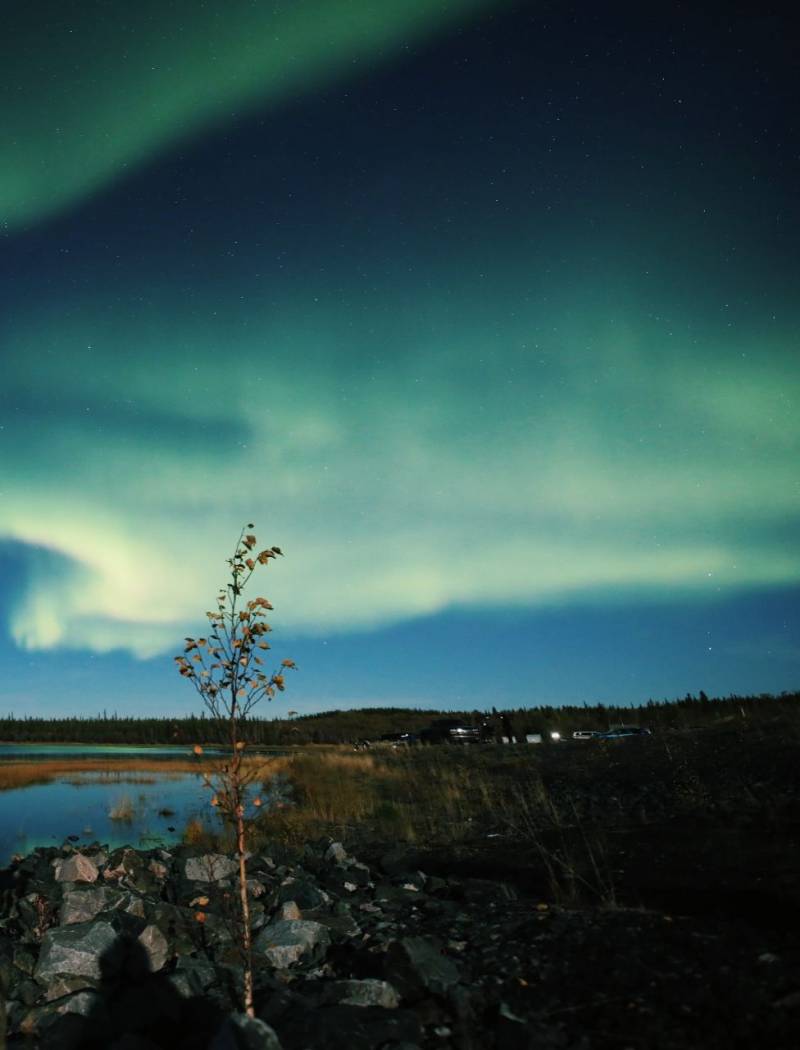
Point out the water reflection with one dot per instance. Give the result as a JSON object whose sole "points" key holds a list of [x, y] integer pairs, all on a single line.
{"points": [[116, 808], [114, 795]]}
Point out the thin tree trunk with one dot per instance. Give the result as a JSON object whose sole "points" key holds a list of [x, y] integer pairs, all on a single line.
{"points": [[246, 938]]}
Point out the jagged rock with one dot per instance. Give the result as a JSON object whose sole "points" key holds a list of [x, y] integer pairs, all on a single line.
{"points": [[27, 992], [36, 912], [240, 1032], [66, 1024], [158, 868], [81, 905], [76, 868], [341, 924], [368, 992], [416, 966], [303, 892], [191, 977], [96, 853], [62, 986], [343, 881], [156, 946], [75, 950], [24, 959], [258, 915], [389, 894], [123, 862], [177, 924], [288, 910], [336, 853], [211, 867], [287, 941], [256, 888]]}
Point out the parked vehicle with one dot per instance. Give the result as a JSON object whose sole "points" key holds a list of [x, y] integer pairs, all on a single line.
{"points": [[586, 734], [453, 731]]}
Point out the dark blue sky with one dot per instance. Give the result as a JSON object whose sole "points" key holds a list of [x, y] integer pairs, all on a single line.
{"points": [[488, 318]]}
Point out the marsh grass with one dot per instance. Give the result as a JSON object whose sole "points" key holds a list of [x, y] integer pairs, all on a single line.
{"points": [[123, 810], [26, 773], [117, 778], [442, 797], [335, 790]]}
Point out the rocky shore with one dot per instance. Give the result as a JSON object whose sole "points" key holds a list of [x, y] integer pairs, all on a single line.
{"points": [[136, 949]]}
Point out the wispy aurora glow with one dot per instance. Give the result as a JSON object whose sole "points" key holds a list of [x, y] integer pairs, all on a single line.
{"points": [[98, 90], [400, 494]]}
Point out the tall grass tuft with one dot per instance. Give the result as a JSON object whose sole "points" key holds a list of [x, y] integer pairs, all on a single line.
{"points": [[123, 810]]}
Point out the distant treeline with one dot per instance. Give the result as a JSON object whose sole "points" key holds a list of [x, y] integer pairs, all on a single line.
{"points": [[337, 727]]}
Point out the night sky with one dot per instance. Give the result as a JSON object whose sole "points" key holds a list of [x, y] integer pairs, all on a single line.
{"points": [[486, 313]]}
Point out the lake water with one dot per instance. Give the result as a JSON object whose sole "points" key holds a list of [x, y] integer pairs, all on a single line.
{"points": [[151, 807], [36, 752]]}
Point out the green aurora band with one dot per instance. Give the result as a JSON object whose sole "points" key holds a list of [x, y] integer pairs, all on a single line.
{"points": [[464, 468], [73, 119]]}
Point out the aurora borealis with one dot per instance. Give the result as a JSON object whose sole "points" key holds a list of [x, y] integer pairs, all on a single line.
{"points": [[487, 314]]}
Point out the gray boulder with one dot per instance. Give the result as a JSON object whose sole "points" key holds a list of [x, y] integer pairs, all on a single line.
{"points": [[76, 868], [288, 941], [124, 861], [336, 853], [367, 992], [156, 946], [210, 867], [74, 950], [303, 892], [67, 1023], [192, 977], [416, 966], [81, 905], [288, 910], [63, 986]]}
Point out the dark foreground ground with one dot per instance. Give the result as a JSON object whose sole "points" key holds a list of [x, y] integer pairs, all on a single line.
{"points": [[662, 914]]}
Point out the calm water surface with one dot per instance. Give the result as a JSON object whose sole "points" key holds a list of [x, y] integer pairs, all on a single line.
{"points": [[155, 806], [18, 752], [80, 805]]}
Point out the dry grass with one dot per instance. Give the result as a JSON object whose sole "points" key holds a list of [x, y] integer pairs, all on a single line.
{"points": [[431, 794], [332, 791], [23, 774], [123, 810], [441, 797]]}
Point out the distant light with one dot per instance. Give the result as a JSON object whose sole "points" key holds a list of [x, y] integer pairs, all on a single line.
{"points": [[555, 735]]}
